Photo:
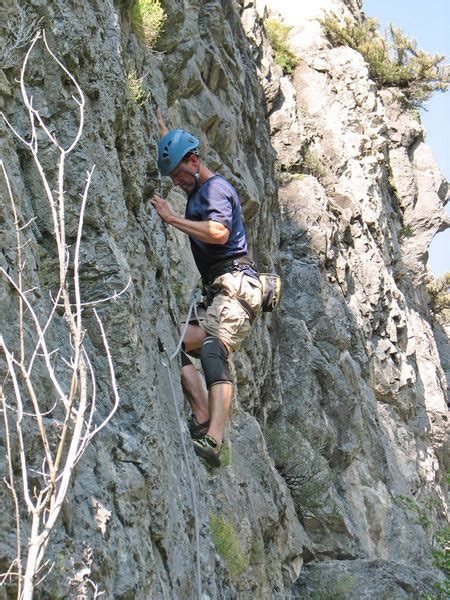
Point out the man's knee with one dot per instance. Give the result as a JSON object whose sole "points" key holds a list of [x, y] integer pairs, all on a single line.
{"points": [[185, 360], [214, 359], [193, 340]]}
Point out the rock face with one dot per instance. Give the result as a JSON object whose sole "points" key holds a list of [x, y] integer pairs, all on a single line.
{"points": [[339, 412], [358, 361]]}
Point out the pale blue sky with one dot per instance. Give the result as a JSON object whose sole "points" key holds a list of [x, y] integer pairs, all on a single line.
{"points": [[429, 23]]}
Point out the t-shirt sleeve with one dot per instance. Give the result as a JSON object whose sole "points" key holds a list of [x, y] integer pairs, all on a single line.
{"points": [[217, 205]]}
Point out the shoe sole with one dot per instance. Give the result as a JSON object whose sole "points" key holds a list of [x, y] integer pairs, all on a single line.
{"points": [[208, 455]]}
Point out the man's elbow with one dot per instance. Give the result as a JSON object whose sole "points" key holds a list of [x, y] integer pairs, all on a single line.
{"points": [[220, 234], [222, 238]]}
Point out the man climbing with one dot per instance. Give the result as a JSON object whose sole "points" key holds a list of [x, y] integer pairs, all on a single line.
{"points": [[219, 245]]}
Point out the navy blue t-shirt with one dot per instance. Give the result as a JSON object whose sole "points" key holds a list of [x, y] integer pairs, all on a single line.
{"points": [[216, 200]]}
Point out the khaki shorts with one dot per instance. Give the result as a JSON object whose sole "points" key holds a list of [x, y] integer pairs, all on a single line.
{"points": [[225, 318]]}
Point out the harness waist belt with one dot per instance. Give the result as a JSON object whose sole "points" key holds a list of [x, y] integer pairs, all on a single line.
{"points": [[230, 265]]}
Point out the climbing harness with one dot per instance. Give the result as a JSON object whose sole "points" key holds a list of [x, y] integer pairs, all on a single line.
{"points": [[271, 283], [167, 364]]}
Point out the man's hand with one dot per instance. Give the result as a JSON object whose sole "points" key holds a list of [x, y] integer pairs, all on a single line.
{"points": [[162, 208], [162, 126]]}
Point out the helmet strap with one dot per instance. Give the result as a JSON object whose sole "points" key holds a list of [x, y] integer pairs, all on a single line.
{"points": [[197, 177]]}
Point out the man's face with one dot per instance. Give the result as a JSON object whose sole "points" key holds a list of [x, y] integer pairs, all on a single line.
{"points": [[183, 174]]}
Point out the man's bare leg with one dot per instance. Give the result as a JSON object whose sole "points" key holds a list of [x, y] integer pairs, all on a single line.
{"points": [[218, 403], [195, 393], [190, 378], [220, 398], [194, 338]]}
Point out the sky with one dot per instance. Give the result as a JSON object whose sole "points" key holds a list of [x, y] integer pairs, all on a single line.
{"points": [[428, 23]]}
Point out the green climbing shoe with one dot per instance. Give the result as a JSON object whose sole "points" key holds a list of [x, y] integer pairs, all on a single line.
{"points": [[197, 429], [207, 448]]}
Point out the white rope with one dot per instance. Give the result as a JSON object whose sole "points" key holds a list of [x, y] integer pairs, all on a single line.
{"points": [[170, 357], [192, 306]]}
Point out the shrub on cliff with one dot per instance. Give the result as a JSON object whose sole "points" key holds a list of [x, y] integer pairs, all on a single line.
{"points": [[277, 34], [136, 93], [147, 19], [438, 296], [227, 544], [394, 60], [16, 33], [301, 464]]}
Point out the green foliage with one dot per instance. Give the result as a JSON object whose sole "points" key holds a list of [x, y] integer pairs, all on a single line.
{"points": [[296, 176], [135, 90], [441, 551], [257, 549], [284, 177], [277, 34], [227, 545], [424, 511], [438, 293], [394, 60], [179, 294], [225, 455], [406, 232], [338, 588], [392, 187], [147, 19], [442, 592], [441, 560], [313, 164], [304, 469], [415, 114]]}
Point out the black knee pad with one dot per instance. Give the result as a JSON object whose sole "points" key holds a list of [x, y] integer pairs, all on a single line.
{"points": [[185, 360], [214, 358]]}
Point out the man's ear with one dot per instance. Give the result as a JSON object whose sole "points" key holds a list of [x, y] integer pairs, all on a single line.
{"points": [[194, 161]]}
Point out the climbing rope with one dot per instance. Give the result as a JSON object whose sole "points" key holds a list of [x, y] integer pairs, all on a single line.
{"points": [[193, 300], [167, 365]]}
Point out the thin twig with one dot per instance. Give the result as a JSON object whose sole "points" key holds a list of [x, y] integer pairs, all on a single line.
{"points": [[19, 417], [110, 298], [41, 337], [19, 260], [12, 489]]}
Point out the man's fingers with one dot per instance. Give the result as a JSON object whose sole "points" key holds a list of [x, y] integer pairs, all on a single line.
{"points": [[162, 126]]}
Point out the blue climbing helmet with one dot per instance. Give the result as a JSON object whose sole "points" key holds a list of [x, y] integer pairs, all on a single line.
{"points": [[173, 147]]}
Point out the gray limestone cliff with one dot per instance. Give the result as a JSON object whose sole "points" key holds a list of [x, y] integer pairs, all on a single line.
{"points": [[340, 405]]}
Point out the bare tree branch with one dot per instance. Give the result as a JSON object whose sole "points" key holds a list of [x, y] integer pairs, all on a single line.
{"points": [[74, 409]]}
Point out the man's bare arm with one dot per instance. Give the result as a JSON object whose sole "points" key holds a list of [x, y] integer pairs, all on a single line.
{"points": [[162, 126], [210, 232]]}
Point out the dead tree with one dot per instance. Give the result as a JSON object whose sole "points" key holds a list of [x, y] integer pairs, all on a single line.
{"points": [[25, 410]]}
